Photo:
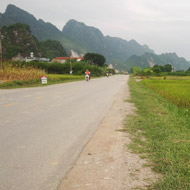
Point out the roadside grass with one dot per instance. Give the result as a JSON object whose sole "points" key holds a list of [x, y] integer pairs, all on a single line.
{"points": [[51, 79], [161, 132]]}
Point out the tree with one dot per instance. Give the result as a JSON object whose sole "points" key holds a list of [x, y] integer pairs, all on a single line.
{"points": [[147, 71], [95, 59], [137, 70], [168, 68], [156, 69]]}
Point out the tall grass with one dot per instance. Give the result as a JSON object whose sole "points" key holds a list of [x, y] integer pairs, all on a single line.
{"points": [[176, 89]]}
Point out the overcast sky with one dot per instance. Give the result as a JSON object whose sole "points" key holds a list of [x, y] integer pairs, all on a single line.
{"points": [[163, 25]]}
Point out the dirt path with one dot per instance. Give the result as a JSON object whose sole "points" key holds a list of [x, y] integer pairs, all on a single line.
{"points": [[105, 163]]}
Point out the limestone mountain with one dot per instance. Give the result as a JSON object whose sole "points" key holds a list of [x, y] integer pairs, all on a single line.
{"points": [[91, 39], [18, 39], [40, 29]]}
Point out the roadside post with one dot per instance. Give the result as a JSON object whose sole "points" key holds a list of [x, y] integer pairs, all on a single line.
{"points": [[44, 79]]}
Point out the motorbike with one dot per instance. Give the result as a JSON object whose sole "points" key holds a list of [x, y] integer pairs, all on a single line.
{"points": [[87, 77]]}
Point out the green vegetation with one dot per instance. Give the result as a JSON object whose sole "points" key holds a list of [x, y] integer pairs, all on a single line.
{"points": [[78, 68], [161, 133], [158, 70], [95, 59], [22, 74]]}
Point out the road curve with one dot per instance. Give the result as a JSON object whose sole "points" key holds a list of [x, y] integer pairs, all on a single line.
{"points": [[43, 129]]}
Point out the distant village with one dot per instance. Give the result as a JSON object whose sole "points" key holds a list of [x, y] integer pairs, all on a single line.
{"points": [[74, 56]]}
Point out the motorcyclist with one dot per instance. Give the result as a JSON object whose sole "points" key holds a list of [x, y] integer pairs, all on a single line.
{"points": [[87, 73], [107, 74]]}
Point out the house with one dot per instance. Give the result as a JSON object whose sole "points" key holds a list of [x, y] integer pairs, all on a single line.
{"points": [[110, 66], [39, 59], [63, 59], [18, 57]]}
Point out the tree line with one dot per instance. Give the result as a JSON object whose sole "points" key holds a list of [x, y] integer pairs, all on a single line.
{"points": [[159, 70]]}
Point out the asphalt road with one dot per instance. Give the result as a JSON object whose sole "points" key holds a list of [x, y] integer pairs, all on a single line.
{"points": [[43, 129]]}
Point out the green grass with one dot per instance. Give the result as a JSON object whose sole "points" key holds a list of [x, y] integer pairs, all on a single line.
{"points": [[51, 79], [161, 133]]}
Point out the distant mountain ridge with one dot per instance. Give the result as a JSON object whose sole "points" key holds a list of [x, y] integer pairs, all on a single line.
{"points": [[75, 35], [149, 60], [82, 39], [92, 39]]}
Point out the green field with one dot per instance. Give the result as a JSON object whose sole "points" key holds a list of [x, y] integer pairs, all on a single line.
{"points": [[175, 89], [160, 129]]}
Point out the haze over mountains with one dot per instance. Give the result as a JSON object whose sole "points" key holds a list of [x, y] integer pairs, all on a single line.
{"points": [[81, 38]]}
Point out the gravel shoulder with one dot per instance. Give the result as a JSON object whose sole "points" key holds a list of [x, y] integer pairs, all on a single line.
{"points": [[105, 162]]}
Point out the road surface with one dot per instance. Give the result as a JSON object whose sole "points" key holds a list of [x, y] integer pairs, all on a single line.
{"points": [[43, 129]]}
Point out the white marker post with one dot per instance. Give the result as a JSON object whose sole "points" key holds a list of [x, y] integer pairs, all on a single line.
{"points": [[44, 79]]}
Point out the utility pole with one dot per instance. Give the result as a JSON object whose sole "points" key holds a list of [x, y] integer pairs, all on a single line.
{"points": [[1, 51], [71, 65]]}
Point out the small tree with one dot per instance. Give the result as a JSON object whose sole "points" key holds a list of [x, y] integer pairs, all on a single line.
{"points": [[137, 70], [148, 71]]}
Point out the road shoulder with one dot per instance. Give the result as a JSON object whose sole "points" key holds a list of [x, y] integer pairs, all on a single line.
{"points": [[105, 163]]}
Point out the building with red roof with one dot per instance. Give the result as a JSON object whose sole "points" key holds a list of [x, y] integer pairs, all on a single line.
{"points": [[63, 59]]}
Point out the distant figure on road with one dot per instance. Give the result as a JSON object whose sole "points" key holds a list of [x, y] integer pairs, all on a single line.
{"points": [[87, 73], [107, 74]]}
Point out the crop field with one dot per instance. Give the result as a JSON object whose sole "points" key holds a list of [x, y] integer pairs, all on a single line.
{"points": [[11, 73], [175, 89]]}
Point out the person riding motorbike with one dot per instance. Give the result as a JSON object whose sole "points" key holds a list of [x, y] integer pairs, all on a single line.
{"points": [[87, 73]]}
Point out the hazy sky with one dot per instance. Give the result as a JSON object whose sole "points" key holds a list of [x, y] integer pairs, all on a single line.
{"points": [[163, 25]]}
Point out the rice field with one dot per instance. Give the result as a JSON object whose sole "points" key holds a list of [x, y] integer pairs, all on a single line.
{"points": [[175, 89]]}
